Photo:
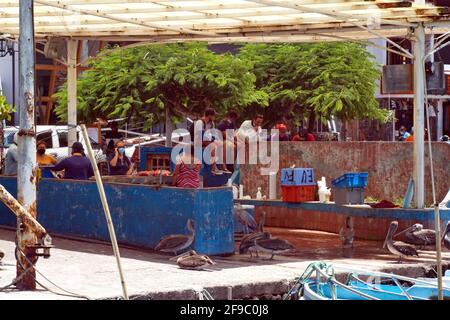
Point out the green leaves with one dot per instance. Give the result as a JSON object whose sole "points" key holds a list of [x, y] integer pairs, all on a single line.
{"points": [[6, 110], [140, 83], [315, 79], [284, 81]]}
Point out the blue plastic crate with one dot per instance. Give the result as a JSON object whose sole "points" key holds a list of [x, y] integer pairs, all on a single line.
{"points": [[351, 180], [298, 177]]}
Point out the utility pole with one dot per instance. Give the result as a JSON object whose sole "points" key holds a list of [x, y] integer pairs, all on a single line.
{"points": [[72, 46], [27, 169], [419, 128]]}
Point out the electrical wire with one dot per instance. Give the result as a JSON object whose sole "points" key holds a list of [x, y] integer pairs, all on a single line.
{"points": [[26, 270]]}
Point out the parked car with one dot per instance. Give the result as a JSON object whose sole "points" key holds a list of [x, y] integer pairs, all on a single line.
{"points": [[56, 138]]}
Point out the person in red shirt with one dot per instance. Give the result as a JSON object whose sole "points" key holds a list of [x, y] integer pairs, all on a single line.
{"points": [[303, 135]]}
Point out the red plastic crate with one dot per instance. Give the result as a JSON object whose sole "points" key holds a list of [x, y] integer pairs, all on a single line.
{"points": [[298, 193]]}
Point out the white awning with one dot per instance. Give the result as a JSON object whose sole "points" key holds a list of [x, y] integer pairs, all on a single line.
{"points": [[222, 20]]}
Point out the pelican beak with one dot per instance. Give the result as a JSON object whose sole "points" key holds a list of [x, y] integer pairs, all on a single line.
{"points": [[404, 231]]}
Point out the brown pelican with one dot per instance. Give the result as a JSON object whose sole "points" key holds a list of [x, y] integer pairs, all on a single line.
{"points": [[248, 241], [177, 242], [244, 218], [446, 236], [398, 248], [274, 246], [416, 234], [192, 260]]}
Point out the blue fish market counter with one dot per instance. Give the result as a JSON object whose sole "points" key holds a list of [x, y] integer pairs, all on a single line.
{"points": [[141, 214]]}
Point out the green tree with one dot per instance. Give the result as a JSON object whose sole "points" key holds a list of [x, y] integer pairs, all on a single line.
{"points": [[315, 81], [140, 83]]}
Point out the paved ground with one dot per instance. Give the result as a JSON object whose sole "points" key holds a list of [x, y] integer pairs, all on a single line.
{"points": [[89, 269]]}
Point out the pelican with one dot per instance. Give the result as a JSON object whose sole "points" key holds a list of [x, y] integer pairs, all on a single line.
{"points": [[416, 234], [177, 242], [248, 241], [192, 260], [398, 248], [347, 233], [271, 245], [446, 236], [244, 218]]}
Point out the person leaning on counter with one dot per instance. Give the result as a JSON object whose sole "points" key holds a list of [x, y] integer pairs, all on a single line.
{"points": [[77, 166], [119, 164]]}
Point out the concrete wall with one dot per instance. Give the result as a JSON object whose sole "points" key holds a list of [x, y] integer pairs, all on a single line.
{"points": [[141, 214], [368, 223], [389, 165]]}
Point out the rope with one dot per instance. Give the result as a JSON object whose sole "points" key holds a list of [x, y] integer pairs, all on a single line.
{"points": [[296, 291], [33, 266]]}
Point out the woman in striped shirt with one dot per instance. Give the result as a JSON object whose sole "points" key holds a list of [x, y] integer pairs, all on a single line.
{"points": [[187, 171]]}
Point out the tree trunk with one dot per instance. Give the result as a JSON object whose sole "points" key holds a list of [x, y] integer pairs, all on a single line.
{"points": [[311, 120]]}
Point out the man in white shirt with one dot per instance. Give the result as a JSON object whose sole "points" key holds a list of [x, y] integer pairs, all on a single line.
{"points": [[251, 129]]}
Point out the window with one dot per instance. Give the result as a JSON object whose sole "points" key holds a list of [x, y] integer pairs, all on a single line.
{"points": [[46, 136], [63, 138]]}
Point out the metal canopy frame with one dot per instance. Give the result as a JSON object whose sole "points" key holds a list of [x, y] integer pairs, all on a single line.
{"points": [[215, 19]]}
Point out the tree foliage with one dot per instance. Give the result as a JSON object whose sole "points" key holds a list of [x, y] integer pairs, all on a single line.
{"points": [[6, 110], [140, 83], [288, 82], [316, 80]]}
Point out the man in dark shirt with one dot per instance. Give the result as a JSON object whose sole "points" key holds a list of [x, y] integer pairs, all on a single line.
{"points": [[77, 166], [229, 122]]}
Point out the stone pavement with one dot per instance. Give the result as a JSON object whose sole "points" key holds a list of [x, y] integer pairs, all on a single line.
{"points": [[89, 269]]}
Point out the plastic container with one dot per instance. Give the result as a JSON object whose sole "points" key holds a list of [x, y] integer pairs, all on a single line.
{"points": [[298, 193], [351, 180], [348, 195], [297, 177], [259, 194]]}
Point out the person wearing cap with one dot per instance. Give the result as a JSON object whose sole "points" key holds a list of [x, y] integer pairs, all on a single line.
{"points": [[42, 158], [282, 134], [12, 157], [76, 167]]}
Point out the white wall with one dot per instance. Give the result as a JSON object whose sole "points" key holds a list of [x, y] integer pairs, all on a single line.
{"points": [[380, 54], [6, 78]]}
